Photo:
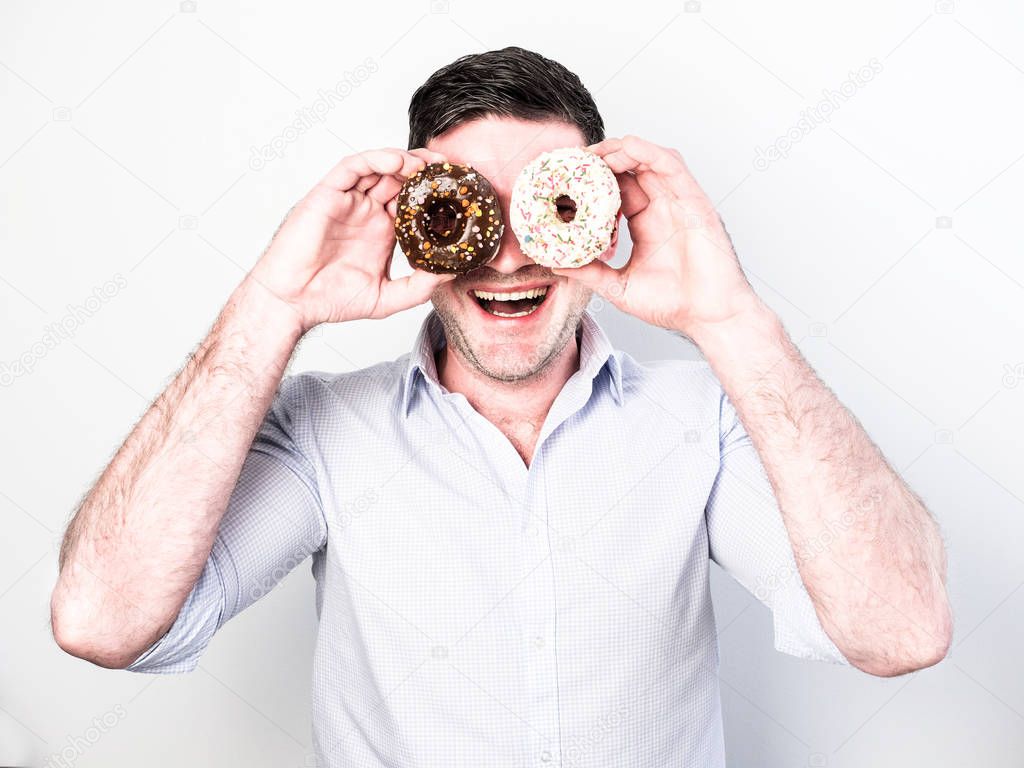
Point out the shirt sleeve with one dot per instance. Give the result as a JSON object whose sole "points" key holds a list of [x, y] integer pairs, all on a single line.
{"points": [[273, 522], [748, 539]]}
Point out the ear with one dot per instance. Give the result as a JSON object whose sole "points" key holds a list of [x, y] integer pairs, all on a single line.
{"points": [[609, 254]]}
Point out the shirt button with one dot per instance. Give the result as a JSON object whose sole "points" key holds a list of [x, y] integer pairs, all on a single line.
{"points": [[538, 641], [534, 530], [545, 756]]}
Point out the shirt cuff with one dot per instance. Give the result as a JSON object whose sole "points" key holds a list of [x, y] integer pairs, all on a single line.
{"points": [[798, 631], [180, 649]]}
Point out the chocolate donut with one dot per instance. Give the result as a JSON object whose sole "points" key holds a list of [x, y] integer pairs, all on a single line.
{"points": [[448, 219]]}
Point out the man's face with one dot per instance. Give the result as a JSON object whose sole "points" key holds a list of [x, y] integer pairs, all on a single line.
{"points": [[508, 348]]}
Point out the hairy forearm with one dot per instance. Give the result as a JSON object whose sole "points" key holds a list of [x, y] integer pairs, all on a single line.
{"points": [[867, 549], [141, 536]]}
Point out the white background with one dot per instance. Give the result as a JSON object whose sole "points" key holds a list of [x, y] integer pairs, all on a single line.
{"points": [[125, 143]]}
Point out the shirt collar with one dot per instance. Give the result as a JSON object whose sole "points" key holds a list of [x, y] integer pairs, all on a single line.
{"points": [[595, 351]]}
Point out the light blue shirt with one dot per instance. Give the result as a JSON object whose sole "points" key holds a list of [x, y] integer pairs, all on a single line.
{"points": [[476, 612]]}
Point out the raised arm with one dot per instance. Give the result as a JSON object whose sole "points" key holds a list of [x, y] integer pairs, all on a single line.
{"points": [[141, 537], [878, 587]]}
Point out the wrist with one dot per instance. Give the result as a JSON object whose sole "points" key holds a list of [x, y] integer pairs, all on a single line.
{"points": [[265, 313], [752, 323]]}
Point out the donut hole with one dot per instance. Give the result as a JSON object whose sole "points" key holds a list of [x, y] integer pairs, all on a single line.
{"points": [[441, 220], [565, 208]]}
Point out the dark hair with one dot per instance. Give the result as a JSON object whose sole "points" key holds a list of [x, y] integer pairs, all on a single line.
{"points": [[513, 82]]}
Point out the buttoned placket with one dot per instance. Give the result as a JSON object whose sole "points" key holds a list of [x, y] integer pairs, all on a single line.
{"points": [[534, 593]]}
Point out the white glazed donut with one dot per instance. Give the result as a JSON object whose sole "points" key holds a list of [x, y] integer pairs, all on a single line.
{"points": [[564, 207]]}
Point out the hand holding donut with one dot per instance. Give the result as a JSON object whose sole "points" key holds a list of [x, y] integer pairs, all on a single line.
{"points": [[330, 260], [682, 273]]}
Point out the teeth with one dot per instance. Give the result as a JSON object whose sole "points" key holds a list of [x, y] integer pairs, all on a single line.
{"points": [[533, 293], [515, 314]]}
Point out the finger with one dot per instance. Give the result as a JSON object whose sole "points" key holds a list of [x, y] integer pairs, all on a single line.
{"points": [[410, 291], [645, 184], [386, 188], [347, 173], [602, 279], [411, 165], [606, 147], [622, 161], [651, 184], [367, 181], [652, 156], [637, 154], [634, 199], [428, 155]]}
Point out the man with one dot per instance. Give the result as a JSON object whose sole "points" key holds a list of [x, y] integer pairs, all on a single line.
{"points": [[511, 525]]}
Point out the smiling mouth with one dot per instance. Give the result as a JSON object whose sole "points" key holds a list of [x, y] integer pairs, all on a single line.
{"points": [[511, 303]]}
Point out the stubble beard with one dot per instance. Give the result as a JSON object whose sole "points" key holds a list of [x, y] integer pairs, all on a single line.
{"points": [[519, 370]]}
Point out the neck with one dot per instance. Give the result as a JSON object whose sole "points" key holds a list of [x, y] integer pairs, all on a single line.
{"points": [[506, 401]]}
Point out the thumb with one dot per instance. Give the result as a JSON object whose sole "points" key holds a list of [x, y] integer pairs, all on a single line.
{"points": [[409, 291], [606, 281]]}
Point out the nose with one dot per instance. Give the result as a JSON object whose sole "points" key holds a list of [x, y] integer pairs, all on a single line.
{"points": [[510, 257]]}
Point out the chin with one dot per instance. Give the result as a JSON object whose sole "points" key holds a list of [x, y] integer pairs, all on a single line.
{"points": [[512, 354], [510, 331]]}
